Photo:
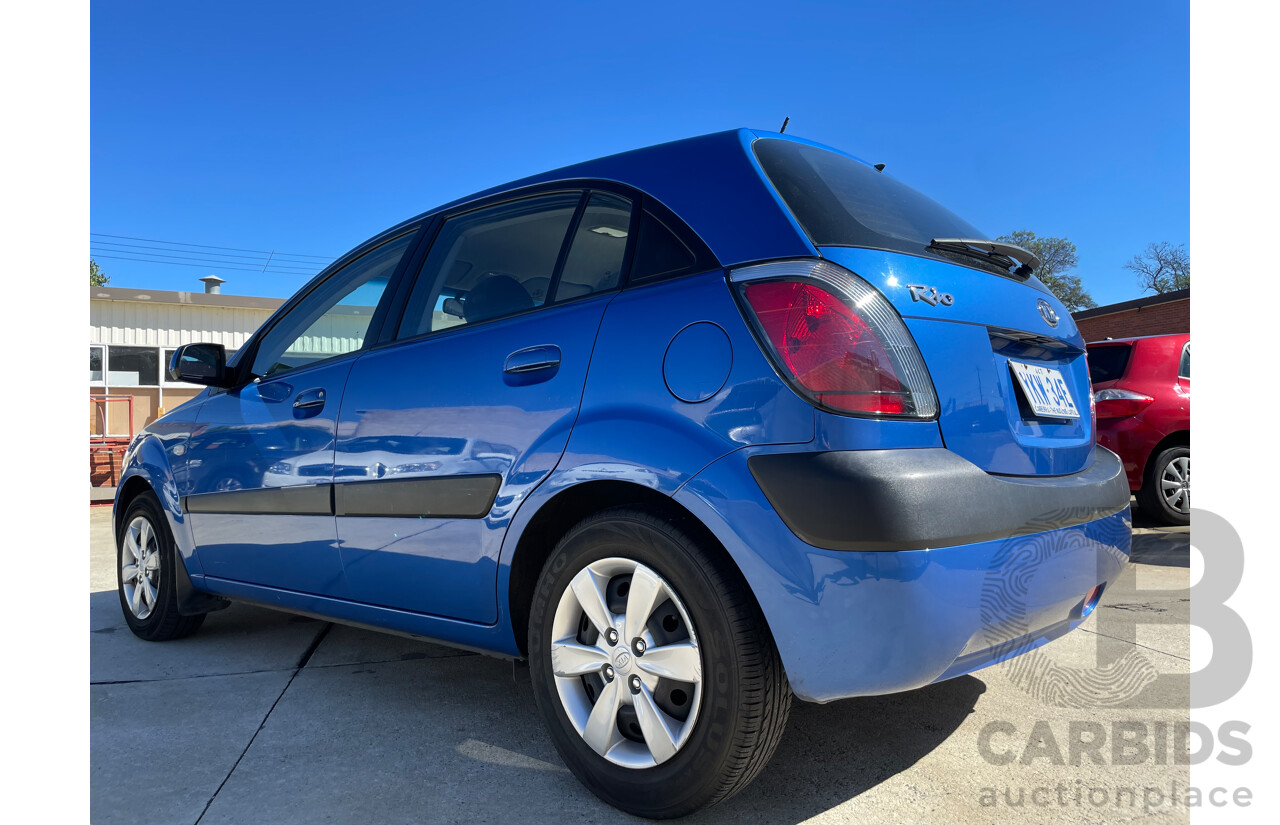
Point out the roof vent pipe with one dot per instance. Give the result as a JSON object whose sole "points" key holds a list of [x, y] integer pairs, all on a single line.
{"points": [[213, 284]]}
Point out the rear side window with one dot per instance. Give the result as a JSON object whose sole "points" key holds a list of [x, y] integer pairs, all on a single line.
{"points": [[1108, 363], [599, 248], [839, 201], [659, 252], [489, 263], [1184, 364]]}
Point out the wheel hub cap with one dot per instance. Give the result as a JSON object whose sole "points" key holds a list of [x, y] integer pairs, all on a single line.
{"points": [[1175, 484], [642, 713]]}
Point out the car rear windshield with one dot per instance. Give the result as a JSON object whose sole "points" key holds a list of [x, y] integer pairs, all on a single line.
{"points": [[839, 201], [1107, 363]]}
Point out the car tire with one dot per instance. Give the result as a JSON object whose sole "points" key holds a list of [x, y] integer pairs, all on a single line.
{"points": [[1159, 498], [145, 559], [734, 716]]}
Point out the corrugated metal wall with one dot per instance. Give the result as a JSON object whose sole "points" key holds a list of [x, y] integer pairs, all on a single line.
{"points": [[333, 334], [171, 325]]}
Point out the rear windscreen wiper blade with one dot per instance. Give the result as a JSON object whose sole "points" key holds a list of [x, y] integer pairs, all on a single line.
{"points": [[997, 252]]}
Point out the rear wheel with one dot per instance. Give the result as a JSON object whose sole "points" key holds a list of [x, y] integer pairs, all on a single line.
{"points": [[652, 667], [1166, 489], [145, 559]]}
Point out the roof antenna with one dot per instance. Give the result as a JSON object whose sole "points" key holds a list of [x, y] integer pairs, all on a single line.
{"points": [[879, 167], [785, 121]]}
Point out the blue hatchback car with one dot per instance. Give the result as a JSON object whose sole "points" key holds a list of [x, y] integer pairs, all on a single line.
{"points": [[692, 429]]}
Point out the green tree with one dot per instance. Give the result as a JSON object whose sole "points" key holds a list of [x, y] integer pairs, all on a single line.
{"points": [[1162, 267], [96, 276], [1057, 258]]}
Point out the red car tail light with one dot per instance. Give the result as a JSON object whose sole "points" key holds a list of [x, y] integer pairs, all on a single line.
{"points": [[837, 339], [1115, 403]]}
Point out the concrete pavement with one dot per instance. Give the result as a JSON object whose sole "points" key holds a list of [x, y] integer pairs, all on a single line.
{"points": [[267, 717]]}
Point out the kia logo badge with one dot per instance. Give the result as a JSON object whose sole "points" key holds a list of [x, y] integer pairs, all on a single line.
{"points": [[1048, 313]]}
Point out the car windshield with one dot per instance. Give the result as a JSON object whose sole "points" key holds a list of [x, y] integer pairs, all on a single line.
{"points": [[1107, 363], [840, 201]]}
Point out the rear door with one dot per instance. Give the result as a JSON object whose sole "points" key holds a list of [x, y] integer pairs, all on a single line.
{"points": [[442, 434], [260, 457]]}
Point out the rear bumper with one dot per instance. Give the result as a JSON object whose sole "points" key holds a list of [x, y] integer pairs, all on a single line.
{"points": [[915, 499], [873, 620]]}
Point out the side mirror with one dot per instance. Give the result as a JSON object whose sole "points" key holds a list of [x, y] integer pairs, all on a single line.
{"points": [[200, 364]]}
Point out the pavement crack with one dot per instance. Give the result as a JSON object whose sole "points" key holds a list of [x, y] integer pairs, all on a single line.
{"points": [[1135, 644], [192, 676], [315, 643]]}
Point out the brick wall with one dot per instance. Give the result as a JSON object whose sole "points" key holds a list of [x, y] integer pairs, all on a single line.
{"points": [[1161, 319]]}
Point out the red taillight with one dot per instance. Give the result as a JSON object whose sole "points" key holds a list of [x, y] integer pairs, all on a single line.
{"points": [[828, 349], [1115, 403]]}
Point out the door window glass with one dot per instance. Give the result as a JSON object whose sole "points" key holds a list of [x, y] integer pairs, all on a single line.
{"points": [[599, 248], [334, 319], [490, 263], [1184, 365]]}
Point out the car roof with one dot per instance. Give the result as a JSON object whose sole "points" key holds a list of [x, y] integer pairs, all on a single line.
{"points": [[712, 182]]}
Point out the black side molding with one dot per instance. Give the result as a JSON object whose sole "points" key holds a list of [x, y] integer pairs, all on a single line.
{"points": [[460, 496], [468, 496], [922, 498], [302, 500]]}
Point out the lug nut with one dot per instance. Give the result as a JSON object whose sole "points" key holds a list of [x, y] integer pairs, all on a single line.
{"points": [[611, 636], [639, 646], [635, 684], [607, 673]]}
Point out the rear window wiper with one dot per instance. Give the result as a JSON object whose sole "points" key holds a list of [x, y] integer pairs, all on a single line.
{"points": [[1004, 255]]}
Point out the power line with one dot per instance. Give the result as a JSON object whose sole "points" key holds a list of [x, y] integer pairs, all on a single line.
{"points": [[325, 258], [211, 262], [197, 266], [215, 255]]}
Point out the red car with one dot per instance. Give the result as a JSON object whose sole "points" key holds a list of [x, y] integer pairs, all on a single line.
{"points": [[1142, 392]]}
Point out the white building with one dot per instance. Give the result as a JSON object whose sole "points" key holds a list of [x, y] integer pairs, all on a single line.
{"points": [[133, 332]]}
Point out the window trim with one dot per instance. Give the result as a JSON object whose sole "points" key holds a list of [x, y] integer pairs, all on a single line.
{"points": [[1186, 353]]}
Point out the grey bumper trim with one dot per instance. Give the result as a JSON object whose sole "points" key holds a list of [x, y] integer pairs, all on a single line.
{"points": [[921, 498]]}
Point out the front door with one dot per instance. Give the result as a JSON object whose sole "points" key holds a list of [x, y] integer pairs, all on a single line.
{"points": [[260, 457]]}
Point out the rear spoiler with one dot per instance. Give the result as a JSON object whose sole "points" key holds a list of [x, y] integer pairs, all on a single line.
{"points": [[1004, 254]]}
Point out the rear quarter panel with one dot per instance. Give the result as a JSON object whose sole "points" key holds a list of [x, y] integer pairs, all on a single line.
{"points": [[631, 424]]}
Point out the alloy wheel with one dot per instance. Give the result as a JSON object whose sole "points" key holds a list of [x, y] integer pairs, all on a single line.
{"points": [[140, 567]]}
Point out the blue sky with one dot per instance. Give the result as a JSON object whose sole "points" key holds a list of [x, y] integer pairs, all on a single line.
{"points": [[306, 128]]}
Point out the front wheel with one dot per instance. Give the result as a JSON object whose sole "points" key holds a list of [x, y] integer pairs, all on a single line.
{"points": [[652, 666], [145, 559], [1166, 490]]}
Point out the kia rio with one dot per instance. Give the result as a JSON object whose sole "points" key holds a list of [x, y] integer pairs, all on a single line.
{"points": [[693, 429]]}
